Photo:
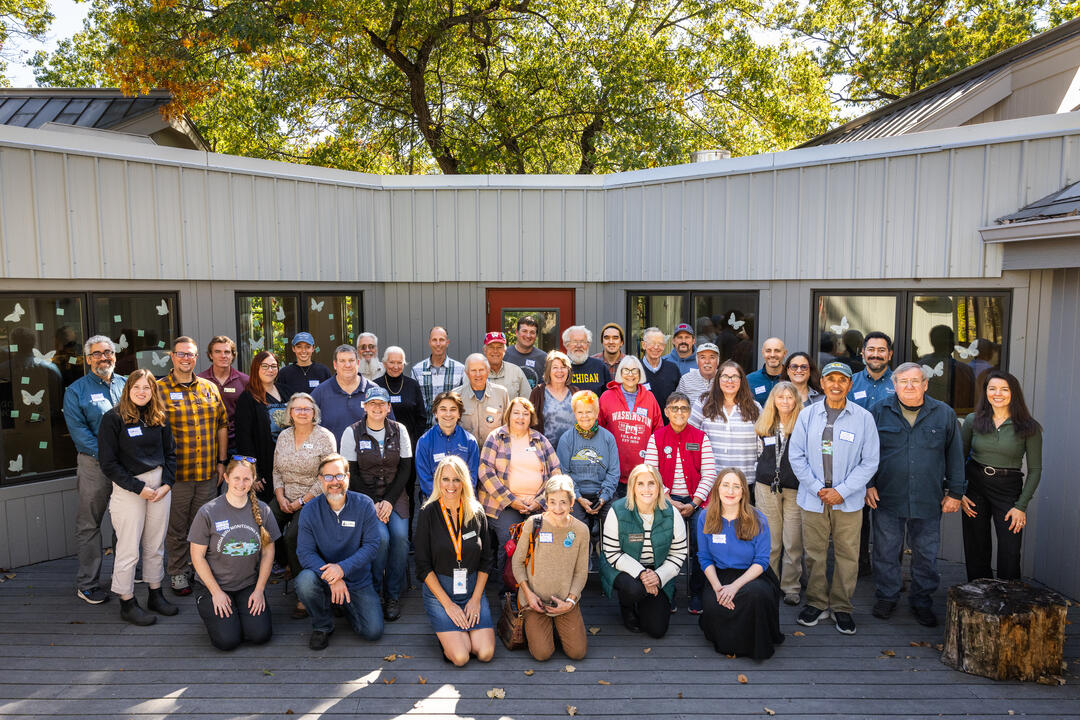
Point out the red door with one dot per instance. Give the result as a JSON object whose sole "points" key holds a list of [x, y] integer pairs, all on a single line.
{"points": [[553, 310]]}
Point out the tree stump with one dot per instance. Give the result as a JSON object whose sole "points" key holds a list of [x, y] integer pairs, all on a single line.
{"points": [[1005, 630]]}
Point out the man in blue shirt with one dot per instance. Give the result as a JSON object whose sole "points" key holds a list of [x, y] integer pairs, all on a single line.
{"points": [[920, 476], [341, 398], [85, 402], [684, 354], [761, 381], [336, 544]]}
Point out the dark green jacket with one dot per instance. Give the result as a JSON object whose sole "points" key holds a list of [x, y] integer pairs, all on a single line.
{"points": [[663, 530]]}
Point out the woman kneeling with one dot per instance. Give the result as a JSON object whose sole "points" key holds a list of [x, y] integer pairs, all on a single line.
{"points": [[644, 547], [742, 614], [453, 559], [551, 578]]}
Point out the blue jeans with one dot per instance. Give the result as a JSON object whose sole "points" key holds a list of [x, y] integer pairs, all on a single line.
{"points": [[364, 608], [392, 558], [924, 538]]}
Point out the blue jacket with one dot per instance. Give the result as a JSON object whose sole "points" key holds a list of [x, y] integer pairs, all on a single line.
{"points": [[855, 455], [761, 384], [350, 539], [85, 402], [434, 445], [918, 462], [867, 392], [686, 365]]}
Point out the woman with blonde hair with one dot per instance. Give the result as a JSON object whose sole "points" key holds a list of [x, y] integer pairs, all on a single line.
{"points": [[777, 487], [552, 398], [644, 548], [232, 550], [453, 555], [137, 452], [741, 616]]}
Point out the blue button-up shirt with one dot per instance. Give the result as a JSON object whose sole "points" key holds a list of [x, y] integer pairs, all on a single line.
{"points": [[867, 392], [855, 451], [685, 364], [761, 384], [85, 402]]}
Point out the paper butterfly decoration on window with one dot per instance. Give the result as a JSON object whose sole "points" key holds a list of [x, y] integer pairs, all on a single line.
{"points": [[279, 314], [159, 360], [317, 307], [737, 324], [16, 465], [16, 314], [968, 352], [842, 328], [937, 370], [257, 345], [122, 343], [34, 399], [44, 357], [163, 308]]}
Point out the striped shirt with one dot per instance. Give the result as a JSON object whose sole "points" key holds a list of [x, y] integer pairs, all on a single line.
{"points": [[195, 413], [678, 482], [493, 490], [626, 563], [734, 443], [693, 386], [435, 379]]}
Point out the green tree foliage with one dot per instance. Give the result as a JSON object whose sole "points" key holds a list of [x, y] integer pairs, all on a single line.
{"points": [[880, 50], [487, 86], [21, 20]]}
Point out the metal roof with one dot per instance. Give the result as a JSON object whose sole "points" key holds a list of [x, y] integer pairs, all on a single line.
{"points": [[1062, 203], [98, 108], [910, 111]]}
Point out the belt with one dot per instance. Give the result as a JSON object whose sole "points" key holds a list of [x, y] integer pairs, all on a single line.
{"points": [[991, 471]]}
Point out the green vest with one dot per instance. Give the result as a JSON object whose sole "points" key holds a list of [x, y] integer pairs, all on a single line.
{"points": [[630, 524]]}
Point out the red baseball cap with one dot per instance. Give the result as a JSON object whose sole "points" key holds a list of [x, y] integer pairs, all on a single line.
{"points": [[494, 337]]}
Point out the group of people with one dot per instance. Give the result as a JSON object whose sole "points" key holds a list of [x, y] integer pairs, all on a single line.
{"points": [[642, 467]]}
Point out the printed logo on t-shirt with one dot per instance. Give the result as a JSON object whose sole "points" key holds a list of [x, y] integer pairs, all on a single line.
{"points": [[588, 455]]}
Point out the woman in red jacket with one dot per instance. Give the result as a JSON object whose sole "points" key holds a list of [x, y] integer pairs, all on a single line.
{"points": [[630, 413]]}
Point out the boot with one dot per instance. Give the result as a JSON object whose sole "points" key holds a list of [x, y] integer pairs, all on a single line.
{"points": [[630, 618], [130, 611], [156, 601]]}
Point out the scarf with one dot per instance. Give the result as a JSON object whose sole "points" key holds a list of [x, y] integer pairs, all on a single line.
{"points": [[587, 434]]}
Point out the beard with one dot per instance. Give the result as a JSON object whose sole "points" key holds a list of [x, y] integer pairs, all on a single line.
{"points": [[370, 367], [334, 497], [104, 371], [577, 357]]}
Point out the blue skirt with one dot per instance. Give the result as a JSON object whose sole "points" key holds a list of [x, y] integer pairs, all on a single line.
{"points": [[440, 621]]}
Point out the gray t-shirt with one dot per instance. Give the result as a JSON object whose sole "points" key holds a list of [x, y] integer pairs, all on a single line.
{"points": [[831, 414], [532, 364], [232, 541]]}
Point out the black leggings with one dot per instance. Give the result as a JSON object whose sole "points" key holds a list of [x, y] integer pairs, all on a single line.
{"points": [[653, 611], [226, 633]]}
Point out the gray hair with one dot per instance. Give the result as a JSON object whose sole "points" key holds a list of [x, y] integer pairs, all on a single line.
{"points": [[474, 357], [365, 334], [289, 406], [653, 331], [561, 483], [393, 349], [577, 328], [908, 367], [94, 340], [629, 361], [346, 349]]}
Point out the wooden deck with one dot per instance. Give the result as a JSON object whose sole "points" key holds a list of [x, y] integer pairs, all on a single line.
{"points": [[63, 658]]}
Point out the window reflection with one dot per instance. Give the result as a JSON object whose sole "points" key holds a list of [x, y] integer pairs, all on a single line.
{"points": [[844, 320], [547, 337], [141, 326]]}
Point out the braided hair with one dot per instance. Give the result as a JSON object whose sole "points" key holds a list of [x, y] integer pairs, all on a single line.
{"points": [[264, 536]]}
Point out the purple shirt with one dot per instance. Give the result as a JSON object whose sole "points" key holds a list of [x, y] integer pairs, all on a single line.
{"points": [[230, 391]]}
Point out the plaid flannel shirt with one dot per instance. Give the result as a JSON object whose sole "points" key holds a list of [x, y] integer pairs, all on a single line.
{"points": [[195, 413], [494, 493]]}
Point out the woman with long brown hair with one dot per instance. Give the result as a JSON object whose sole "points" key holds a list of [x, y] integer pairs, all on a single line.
{"points": [[741, 616], [727, 414], [137, 452], [232, 550], [260, 417]]}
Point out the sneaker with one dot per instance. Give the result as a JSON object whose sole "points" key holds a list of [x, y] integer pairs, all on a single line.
{"points": [[319, 640], [844, 623], [674, 607], [695, 605], [391, 610], [791, 598], [277, 570], [925, 616], [810, 616], [94, 596], [180, 584], [883, 609]]}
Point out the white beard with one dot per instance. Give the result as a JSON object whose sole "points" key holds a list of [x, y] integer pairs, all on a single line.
{"points": [[578, 358], [371, 369]]}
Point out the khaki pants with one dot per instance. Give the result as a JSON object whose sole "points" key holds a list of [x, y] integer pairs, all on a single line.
{"points": [[844, 528], [785, 534], [540, 632], [187, 498], [140, 532]]}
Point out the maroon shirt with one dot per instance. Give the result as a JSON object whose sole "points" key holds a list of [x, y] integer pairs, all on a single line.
{"points": [[230, 391]]}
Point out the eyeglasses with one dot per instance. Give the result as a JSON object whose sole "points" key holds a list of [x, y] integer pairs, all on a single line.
{"points": [[729, 378], [629, 371], [98, 354], [184, 355], [268, 366], [301, 409], [340, 477], [798, 368], [909, 383], [679, 408], [245, 458]]}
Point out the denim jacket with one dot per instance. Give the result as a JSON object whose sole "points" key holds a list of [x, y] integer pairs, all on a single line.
{"points": [[855, 455], [85, 402]]}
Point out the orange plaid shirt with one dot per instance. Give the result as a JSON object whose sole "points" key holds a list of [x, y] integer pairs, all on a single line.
{"points": [[195, 413]]}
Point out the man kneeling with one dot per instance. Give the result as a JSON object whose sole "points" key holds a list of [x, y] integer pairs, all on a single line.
{"points": [[337, 544]]}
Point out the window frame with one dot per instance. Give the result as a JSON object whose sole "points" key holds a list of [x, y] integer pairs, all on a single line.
{"points": [[688, 297], [304, 303]]}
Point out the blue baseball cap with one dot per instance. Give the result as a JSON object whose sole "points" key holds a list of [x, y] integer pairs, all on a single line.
{"points": [[376, 393], [303, 337], [683, 328], [836, 367]]}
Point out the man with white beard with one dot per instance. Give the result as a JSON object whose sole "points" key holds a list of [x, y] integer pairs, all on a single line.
{"points": [[368, 345], [587, 373]]}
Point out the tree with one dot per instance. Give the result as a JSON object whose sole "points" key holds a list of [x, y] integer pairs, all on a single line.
{"points": [[22, 20], [877, 51], [508, 86]]}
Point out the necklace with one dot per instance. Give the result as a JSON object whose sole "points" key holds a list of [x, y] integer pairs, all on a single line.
{"points": [[400, 384]]}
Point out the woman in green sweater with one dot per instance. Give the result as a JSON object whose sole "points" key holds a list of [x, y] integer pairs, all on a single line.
{"points": [[997, 438]]}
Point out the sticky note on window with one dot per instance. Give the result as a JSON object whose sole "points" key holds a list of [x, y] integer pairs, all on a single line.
{"points": [[39, 326], [330, 316], [140, 333], [72, 360], [116, 318], [13, 348], [34, 417], [161, 343], [14, 413], [331, 338], [43, 444], [60, 311], [25, 380]]}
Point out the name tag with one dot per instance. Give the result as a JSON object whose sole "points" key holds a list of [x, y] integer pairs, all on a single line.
{"points": [[427, 372], [313, 383], [97, 397], [771, 440], [176, 396], [468, 535], [135, 432], [693, 447], [395, 399], [545, 537], [642, 411], [308, 446], [759, 390], [847, 436], [460, 581], [636, 537], [646, 386], [348, 523], [530, 363], [221, 526], [438, 456], [229, 389], [530, 449], [492, 410], [364, 444], [859, 394], [719, 539]]}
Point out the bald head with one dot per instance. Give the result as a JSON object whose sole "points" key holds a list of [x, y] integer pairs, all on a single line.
{"points": [[773, 353]]}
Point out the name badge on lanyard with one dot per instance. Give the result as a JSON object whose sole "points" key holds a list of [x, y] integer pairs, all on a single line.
{"points": [[460, 581], [460, 573]]}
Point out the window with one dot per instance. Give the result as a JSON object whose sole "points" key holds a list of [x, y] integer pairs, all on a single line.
{"points": [[41, 345], [957, 337], [270, 321], [547, 336], [726, 318]]}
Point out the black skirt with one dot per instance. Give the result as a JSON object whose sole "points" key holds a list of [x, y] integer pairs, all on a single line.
{"points": [[753, 627]]}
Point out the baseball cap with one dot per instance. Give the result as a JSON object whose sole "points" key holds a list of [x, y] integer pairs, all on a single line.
{"points": [[683, 327], [376, 393], [303, 337], [494, 337], [708, 347], [836, 367]]}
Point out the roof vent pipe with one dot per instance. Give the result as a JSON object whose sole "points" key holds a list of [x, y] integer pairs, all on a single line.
{"points": [[699, 156]]}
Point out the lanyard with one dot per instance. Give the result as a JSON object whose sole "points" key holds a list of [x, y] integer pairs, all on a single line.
{"points": [[455, 537]]}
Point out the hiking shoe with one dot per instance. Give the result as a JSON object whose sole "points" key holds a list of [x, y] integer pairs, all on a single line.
{"points": [[319, 640], [157, 602], [94, 596], [391, 609], [810, 616], [883, 609], [130, 611], [630, 618], [791, 598], [694, 608], [844, 623], [180, 584], [925, 616]]}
